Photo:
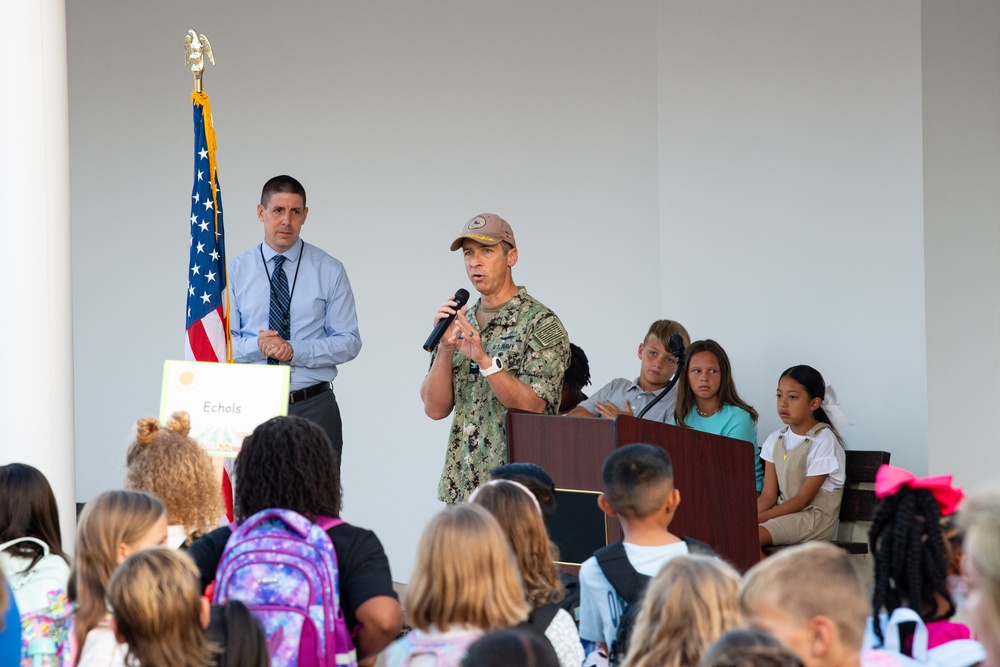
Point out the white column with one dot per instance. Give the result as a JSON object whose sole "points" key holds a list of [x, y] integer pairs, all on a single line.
{"points": [[36, 326]]}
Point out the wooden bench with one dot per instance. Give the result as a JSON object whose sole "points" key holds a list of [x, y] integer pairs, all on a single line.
{"points": [[858, 506]]}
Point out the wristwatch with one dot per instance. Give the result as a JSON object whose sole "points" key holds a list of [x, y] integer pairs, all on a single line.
{"points": [[495, 368]]}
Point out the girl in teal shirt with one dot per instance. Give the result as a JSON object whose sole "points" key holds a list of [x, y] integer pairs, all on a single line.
{"points": [[707, 400]]}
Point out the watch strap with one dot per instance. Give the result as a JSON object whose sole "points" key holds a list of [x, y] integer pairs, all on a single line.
{"points": [[495, 367]]}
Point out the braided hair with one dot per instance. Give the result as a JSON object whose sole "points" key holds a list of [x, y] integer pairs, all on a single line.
{"points": [[911, 563]]}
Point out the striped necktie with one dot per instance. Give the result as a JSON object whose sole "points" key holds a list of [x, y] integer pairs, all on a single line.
{"points": [[278, 319]]}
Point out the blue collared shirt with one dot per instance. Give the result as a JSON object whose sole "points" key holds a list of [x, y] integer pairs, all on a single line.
{"points": [[324, 322]]}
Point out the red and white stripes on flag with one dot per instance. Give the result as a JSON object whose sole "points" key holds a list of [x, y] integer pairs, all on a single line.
{"points": [[208, 337]]}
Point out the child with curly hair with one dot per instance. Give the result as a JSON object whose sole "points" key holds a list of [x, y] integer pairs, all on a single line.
{"points": [[289, 463], [165, 461]]}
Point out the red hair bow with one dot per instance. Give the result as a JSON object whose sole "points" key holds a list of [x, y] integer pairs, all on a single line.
{"points": [[891, 479]]}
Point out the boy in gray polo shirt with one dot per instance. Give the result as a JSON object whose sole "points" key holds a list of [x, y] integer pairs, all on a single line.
{"points": [[657, 366]]}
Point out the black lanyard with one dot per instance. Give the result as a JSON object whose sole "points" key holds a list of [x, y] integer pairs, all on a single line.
{"points": [[295, 279]]}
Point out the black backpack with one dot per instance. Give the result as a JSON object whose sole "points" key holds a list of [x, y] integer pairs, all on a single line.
{"points": [[542, 616], [630, 586]]}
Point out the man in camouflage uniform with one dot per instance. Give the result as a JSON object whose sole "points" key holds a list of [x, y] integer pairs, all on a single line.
{"points": [[506, 351]]}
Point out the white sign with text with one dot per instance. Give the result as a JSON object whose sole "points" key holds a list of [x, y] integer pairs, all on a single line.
{"points": [[226, 402]]}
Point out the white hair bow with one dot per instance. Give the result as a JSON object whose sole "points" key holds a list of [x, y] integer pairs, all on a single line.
{"points": [[831, 406]]}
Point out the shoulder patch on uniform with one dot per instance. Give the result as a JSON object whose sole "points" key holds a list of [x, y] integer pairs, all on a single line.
{"points": [[549, 333]]}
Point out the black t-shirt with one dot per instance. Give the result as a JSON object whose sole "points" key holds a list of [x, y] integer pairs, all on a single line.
{"points": [[361, 562]]}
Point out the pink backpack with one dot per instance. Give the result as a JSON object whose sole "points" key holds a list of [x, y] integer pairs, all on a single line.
{"points": [[284, 569]]}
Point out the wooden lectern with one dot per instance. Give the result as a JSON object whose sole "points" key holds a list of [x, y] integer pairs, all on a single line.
{"points": [[715, 475]]}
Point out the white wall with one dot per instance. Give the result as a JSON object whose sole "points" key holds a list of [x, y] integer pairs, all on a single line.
{"points": [[790, 199], [402, 120], [961, 49], [752, 170]]}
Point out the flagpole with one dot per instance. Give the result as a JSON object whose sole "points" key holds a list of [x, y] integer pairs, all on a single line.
{"points": [[208, 336]]}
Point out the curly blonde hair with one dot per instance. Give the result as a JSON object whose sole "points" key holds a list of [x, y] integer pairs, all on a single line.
{"points": [[168, 463]]}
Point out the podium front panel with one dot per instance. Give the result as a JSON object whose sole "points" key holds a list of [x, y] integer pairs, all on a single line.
{"points": [[717, 480], [715, 475]]}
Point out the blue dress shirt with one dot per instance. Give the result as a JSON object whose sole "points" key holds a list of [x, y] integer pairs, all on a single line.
{"points": [[324, 322]]}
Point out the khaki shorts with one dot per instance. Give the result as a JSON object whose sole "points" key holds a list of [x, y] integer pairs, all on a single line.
{"points": [[806, 526]]}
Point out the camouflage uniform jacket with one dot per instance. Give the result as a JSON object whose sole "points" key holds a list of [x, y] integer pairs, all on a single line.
{"points": [[534, 347]]}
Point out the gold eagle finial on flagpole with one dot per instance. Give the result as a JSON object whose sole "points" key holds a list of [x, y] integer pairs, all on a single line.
{"points": [[196, 47]]}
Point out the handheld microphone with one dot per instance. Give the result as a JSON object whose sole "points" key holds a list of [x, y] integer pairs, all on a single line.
{"points": [[461, 298]]}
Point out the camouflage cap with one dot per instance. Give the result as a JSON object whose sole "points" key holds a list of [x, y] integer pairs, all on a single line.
{"points": [[485, 228]]}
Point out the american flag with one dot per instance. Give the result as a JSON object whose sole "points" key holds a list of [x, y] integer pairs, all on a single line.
{"points": [[207, 300]]}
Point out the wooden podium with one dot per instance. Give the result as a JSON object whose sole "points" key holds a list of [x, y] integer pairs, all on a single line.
{"points": [[715, 475]]}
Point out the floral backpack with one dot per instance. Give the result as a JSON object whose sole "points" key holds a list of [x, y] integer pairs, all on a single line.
{"points": [[47, 618]]}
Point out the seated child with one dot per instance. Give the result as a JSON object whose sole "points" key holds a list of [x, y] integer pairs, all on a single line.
{"points": [[657, 366], [638, 489], [804, 465], [707, 399], [576, 377], [168, 463], [812, 598], [158, 612]]}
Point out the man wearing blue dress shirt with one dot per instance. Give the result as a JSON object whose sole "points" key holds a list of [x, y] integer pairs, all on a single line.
{"points": [[304, 318]]}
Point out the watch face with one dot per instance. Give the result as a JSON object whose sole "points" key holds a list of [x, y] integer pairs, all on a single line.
{"points": [[498, 363]]}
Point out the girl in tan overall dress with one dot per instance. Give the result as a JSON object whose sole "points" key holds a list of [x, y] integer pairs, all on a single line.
{"points": [[803, 465]]}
